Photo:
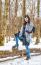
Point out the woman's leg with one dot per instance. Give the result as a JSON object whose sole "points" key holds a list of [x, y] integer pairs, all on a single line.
{"points": [[27, 51], [16, 41]]}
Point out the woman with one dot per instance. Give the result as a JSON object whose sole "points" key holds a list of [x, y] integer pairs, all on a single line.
{"points": [[25, 34]]}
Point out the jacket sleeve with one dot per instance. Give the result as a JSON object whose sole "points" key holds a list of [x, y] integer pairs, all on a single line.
{"points": [[33, 30], [21, 31]]}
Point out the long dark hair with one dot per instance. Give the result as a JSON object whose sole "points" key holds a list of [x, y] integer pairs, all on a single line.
{"points": [[28, 19]]}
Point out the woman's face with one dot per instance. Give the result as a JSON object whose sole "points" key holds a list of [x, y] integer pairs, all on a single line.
{"points": [[26, 19]]}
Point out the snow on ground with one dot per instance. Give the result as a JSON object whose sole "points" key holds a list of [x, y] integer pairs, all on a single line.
{"points": [[8, 45], [35, 60]]}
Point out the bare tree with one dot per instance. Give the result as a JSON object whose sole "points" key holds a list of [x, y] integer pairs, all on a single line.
{"points": [[14, 19], [1, 36], [38, 7], [0, 16], [5, 17], [23, 9], [38, 22]]}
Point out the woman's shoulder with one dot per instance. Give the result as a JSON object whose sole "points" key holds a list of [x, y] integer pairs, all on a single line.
{"points": [[31, 23]]}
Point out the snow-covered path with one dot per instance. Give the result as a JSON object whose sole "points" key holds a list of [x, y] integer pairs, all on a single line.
{"points": [[35, 60]]}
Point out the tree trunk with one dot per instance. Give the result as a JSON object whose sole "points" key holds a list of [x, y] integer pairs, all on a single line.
{"points": [[6, 17], [38, 22], [14, 20], [38, 7], [1, 36], [0, 17], [23, 10]]}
